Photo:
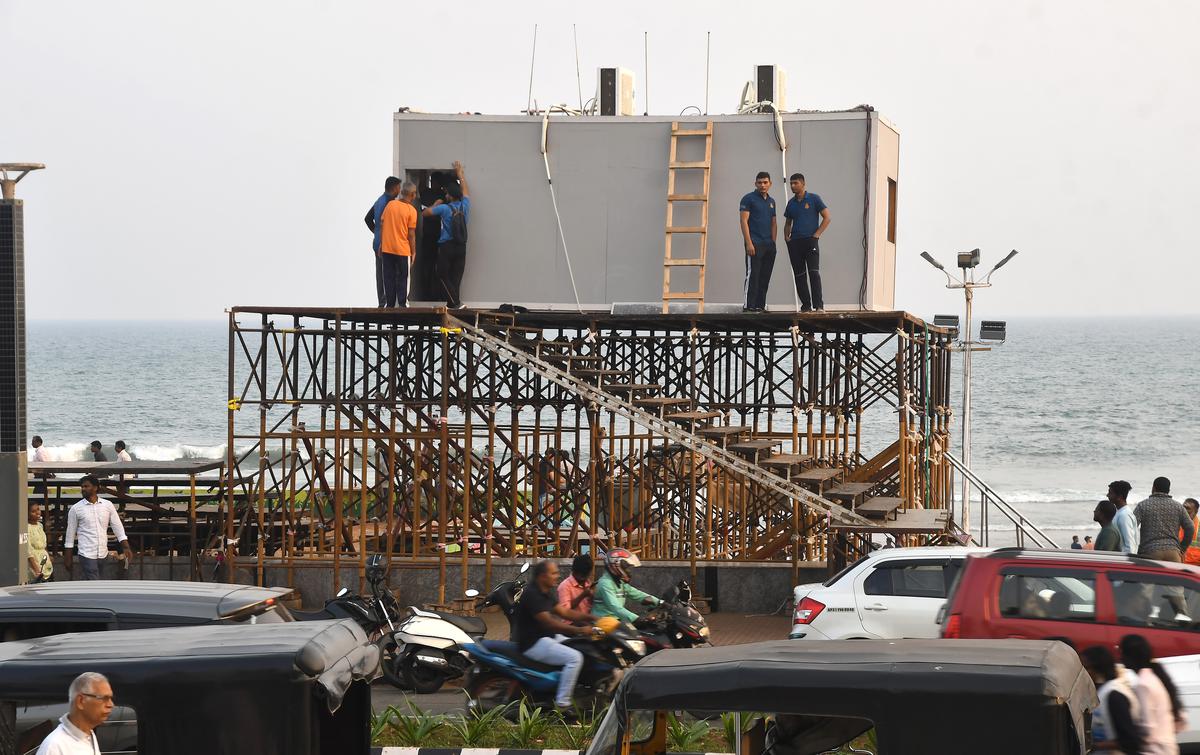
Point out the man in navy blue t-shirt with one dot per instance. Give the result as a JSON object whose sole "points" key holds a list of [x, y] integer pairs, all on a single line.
{"points": [[452, 252], [805, 218], [757, 211], [374, 221]]}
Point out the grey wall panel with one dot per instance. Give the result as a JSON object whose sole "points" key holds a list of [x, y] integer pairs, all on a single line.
{"points": [[611, 179]]}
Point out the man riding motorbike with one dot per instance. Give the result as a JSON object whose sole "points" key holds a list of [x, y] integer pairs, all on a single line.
{"points": [[613, 588], [540, 630]]}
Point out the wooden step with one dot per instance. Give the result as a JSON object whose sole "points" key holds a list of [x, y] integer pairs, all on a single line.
{"points": [[687, 198], [696, 416], [850, 493], [818, 479], [659, 402], [599, 373], [687, 229], [682, 295], [755, 446], [724, 431], [631, 387], [697, 262], [787, 460], [694, 165], [692, 131], [881, 507]]}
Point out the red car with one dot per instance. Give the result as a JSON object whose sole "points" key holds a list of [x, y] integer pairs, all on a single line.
{"points": [[1086, 597]]}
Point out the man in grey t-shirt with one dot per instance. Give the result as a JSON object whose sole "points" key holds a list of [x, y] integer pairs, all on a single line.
{"points": [[1160, 519]]}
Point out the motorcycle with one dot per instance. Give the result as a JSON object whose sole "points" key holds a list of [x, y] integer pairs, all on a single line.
{"points": [[501, 675], [427, 647], [674, 624], [505, 596]]}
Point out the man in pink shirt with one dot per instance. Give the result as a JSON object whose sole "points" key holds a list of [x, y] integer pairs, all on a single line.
{"points": [[575, 592]]}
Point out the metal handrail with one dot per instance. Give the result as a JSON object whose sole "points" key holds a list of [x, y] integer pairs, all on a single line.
{"points": [[1024, 527]]}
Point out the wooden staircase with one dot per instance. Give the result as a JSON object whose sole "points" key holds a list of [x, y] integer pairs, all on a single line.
{"points": [[674, 168]]}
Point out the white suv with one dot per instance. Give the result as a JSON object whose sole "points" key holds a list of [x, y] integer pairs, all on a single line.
{"points": [[892, 593]]}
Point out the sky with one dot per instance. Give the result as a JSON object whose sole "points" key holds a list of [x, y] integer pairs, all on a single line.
{"points": [[205, 155]]}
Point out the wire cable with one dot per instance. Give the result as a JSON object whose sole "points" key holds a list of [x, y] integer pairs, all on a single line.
{"points": [[554, 197]]}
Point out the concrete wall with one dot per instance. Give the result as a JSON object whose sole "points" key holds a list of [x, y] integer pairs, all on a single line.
{"points": [[611, 180], [732, 587]]}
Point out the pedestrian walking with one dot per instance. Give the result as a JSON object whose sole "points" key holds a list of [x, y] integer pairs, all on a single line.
{"points": [[373, 219], [122, 453], [805, 218], [40, 566], [1161, 713], [759, 226], [1125, 522], [397, 247], [1192, 554], [90, 698], [1160, 519], [1088, 545], [1075, 544], [39, 454], [1109, 538], [454, 212], [1116, 722], [97, 450], [88, 522]]}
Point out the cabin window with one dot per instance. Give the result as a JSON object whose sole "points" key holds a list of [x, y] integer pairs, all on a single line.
{"points": [[35, 721], [908, 579], [891, 216], [1143, 600]]}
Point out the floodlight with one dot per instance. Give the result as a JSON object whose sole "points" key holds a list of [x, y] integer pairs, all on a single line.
{"points": [[992, 330], [949, 322], [967, 260]]}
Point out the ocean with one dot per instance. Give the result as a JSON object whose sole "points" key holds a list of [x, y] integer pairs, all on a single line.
{"points": [[1061, 409]]}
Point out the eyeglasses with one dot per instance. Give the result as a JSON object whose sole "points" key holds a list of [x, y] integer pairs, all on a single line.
{"points": [[102, 698]]}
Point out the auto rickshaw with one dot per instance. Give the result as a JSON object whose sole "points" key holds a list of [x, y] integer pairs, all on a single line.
{"points": [[931, 697], [295, 688]]}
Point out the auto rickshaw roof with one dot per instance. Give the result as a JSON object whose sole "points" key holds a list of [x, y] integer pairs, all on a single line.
{"points": [[927, 696], [180, 660]]}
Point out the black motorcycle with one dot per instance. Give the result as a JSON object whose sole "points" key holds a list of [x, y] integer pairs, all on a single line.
{"points": [[674, 624]]}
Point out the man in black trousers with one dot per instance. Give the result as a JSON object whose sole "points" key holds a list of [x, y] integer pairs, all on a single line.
{"points": [[758, 221], [805, 218]]}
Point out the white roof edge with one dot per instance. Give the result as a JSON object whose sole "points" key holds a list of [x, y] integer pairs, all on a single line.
{"points": [[841, 115]]}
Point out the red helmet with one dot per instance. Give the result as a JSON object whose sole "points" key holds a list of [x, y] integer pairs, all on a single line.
{"points": [[618, 561]]}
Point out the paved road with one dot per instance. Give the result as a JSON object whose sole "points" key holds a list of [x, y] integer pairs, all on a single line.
{"points": [[727, 629]]}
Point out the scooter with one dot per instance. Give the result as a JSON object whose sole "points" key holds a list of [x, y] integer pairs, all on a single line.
{"points": [[428, 647], [502, 675], [674, 624]]}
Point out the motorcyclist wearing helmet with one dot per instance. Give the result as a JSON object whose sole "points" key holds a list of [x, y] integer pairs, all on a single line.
{"points": [[613, 588]]}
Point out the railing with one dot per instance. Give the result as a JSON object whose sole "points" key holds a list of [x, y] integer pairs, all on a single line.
{"points": [[1027, 533]]}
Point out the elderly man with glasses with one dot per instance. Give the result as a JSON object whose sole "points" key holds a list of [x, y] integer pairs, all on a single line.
{"points": [[91, 701]]}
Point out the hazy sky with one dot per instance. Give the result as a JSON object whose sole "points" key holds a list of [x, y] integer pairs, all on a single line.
{"points": [[203, 155]]}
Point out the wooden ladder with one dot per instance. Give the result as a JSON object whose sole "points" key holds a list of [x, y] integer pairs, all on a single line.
{"points": [[674, 165]]}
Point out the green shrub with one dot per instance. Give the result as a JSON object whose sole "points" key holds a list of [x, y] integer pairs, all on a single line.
{"points": [[415, 729], [531, 725], [475, 725], [685, 737]]}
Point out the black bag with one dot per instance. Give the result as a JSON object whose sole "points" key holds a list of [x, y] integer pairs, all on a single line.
{"points": [[458, 224]]}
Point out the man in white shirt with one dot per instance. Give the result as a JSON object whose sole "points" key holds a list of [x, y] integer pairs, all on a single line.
{"points": [[39, 454], [88, 521], [91, 701], [1124, 521]]}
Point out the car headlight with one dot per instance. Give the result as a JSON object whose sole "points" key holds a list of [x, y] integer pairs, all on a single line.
{"points": [[704, 632], [637, 646]]}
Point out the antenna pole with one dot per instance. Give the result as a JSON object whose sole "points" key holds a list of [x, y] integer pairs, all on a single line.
{"points": [[707, 61], [646, 67], [578, 80], [532, 58]]}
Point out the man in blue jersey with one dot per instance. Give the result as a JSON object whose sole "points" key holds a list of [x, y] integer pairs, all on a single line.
{"points": [[758, 220], [374, 221], [805, 218], [454, 211]]}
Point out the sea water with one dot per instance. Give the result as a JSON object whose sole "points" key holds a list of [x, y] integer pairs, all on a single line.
{"points": [[1064, 407]]}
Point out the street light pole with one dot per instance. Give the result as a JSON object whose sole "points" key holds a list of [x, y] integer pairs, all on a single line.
{"points": [[14, 483], [967, 262]]}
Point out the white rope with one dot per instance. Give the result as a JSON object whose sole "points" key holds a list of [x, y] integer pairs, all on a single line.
{"points": [[554, 197]]}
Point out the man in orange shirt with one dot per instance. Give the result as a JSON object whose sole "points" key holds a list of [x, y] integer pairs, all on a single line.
{"points": [[1192, 554], [399, 221]]}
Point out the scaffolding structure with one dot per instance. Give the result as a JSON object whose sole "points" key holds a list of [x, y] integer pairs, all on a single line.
{"points": [[434, 435]]}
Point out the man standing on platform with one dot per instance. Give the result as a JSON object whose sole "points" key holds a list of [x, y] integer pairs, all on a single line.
{"points": [[373, 219], [759, 228], [1161, 520], [399, 237], [88, 521], [806, 218], [454, 211]]}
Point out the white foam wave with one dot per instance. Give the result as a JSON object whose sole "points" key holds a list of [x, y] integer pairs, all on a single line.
{"points": [[147, 452], [1049, 495]]}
